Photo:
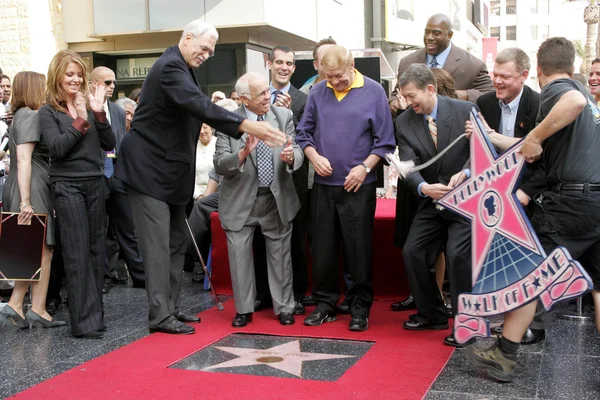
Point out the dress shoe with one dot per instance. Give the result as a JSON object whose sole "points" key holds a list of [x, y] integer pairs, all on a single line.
{"points": [[116, 279], [198, 275], [183, 317], [91, 335], [106, 286], [450, 340], [173, 326], [533, 336], [404, 305], [308, 301], [188, 265], [52, 306], [9, 317], [241, 320], [343, 308], [415, 325], [318, 317], [37, 321], [449, 312], [286, 319], [359, 323], [298, 308]]}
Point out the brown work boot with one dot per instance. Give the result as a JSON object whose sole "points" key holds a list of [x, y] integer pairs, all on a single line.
{"points": [[497, 364]]}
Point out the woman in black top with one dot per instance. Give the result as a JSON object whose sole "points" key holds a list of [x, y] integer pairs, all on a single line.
{"points": [[27, 190], [76, 131]]}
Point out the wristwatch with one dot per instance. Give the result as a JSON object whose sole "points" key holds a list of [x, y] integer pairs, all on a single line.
{"points": [[366, 167]]}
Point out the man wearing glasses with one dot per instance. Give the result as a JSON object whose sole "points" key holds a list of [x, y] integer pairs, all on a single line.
{"points": [[157, 166]]}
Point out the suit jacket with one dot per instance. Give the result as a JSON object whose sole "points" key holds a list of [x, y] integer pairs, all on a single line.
{"points": [[415, 143], [469, 72], [158, 157], [239, 185], [300, 176], [117, 123], [534, 179]]}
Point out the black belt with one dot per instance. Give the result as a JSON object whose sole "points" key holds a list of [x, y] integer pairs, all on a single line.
{"points": [[578, 187]]}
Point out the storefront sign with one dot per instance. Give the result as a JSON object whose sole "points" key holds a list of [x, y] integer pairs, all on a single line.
{"points": [[131, 68]]}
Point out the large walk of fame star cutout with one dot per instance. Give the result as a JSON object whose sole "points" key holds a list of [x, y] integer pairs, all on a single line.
{"points": [[288, 357], [488, 199]]}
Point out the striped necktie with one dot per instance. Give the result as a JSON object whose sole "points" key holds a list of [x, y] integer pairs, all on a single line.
{"points": [[433, 63], [264, 161], [432, 130]]}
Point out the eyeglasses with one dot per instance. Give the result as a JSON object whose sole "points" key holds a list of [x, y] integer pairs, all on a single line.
{"points": [[108, 83], [207, 50]]}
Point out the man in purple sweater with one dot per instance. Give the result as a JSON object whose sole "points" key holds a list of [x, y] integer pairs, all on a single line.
{"points": [[346, 130]]}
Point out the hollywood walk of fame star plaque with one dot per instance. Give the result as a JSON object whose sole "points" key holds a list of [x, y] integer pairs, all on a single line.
{"points": [[509, 266], [286, 357]]}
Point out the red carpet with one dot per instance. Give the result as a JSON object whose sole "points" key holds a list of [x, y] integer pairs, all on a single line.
{"points": [[401, 364], [389, 278]]}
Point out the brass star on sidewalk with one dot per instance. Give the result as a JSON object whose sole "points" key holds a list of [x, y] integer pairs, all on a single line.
{"points": [[285, 357]]}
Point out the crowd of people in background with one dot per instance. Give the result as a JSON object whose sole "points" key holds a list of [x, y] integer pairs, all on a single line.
{"points": [[288, 168]]}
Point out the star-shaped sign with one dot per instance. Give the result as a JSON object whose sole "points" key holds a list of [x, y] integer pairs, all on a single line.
{"points": [[488, 199], [285, 357]]}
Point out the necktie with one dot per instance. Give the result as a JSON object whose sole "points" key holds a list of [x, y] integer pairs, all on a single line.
{"points": [[264, 161], [434, 63], [432, 130], [109, 168], [275, 93]]}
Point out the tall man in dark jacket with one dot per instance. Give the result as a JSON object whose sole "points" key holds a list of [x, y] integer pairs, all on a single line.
{"points": [[157, 164]]}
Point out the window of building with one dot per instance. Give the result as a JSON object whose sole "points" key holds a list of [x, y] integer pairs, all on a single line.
{"points": [[495, 32], [545, 32], [511, 32], [534, 32], [495, 7], [511, 7], [540, 6]]}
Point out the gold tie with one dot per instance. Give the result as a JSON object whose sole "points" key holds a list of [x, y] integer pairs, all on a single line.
{"points": [[432, 130]]}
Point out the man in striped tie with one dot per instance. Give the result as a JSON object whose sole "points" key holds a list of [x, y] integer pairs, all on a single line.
{"points": [[429, 125]]}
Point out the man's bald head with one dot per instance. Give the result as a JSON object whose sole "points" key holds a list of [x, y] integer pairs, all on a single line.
{"points": [[104, 76], [438, 34]]}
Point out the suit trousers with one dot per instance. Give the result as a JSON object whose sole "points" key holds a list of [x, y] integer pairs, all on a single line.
{"points": [[337, 216], [200, 223], [121, 233], [430, 231], [80, 207], [279, 260], [162, 238]]}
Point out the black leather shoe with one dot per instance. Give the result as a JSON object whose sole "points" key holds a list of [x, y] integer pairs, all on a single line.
{"points": [[449, 312], [359, 323], [241, 320], [414, 325], [533, 336], [52, 306], [198, 275], [183, 317], [450, 340], [118, 280], [404, 305], [343, 308], [173, 326], [308, 301], [106, 286], [298, 308], [91, 335], [318, 317], [286, 319]]}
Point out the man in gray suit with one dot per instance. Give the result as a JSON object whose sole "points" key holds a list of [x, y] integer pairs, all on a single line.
{"points": [[471, 78], [259, 191], [120, 230]]}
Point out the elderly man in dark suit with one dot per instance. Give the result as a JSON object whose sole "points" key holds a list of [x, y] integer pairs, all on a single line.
{"points": [[284, 94], [257, 191], [426, 128], [157, 164], [120, 231], [471, 78]]}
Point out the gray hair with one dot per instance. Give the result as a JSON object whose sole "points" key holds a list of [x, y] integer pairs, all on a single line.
{"points": [[126, 101], [228, 104], [520, 58], [418, 74], [199, 27], [242, 86]]}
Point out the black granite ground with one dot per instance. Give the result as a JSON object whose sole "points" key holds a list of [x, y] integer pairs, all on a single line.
{"points": [[564, 366]]}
